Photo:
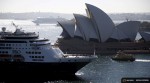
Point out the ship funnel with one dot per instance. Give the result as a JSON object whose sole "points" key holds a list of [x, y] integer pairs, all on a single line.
{"points": [[3, 29]]}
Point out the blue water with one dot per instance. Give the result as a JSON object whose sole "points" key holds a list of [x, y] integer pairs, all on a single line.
{"points": [[102, 70], [105, 70]]}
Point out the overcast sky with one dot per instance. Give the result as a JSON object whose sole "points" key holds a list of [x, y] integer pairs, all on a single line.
{"points": [[74, 6]]}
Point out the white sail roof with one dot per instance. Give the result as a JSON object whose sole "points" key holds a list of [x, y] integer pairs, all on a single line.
{"points": [[101, 21], [78, 32], [145, 35], [68, 26], [129, 28], [85, 26], [117, 34]]}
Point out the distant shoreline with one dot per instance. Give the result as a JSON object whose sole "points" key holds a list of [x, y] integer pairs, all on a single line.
{"points": [[34, 15], [145, 24]]}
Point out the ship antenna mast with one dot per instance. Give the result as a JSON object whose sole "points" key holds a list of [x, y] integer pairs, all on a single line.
{"points": [[94, 49], [16, 26]]}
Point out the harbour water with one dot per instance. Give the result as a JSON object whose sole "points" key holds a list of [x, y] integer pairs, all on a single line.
{"points": [[102, 70]]}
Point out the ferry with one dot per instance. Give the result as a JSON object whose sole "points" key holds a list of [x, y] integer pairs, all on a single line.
{"points": [[44, 20], [121, 56], [24, 53]]}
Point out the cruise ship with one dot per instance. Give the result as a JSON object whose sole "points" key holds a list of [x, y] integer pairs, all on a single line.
{"points": [[24, 53]]}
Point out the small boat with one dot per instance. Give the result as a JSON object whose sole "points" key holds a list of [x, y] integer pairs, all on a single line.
{"points": [[121, 56]]}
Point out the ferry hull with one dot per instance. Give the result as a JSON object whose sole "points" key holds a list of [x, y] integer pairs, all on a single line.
{"points": [[37, 70]]}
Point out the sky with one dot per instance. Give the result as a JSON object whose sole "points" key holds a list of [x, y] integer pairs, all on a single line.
{"points": [[74, 6]]}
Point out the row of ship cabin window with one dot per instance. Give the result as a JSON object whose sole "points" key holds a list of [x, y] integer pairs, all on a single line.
{"points": [[33, 52], [13, 44], [36, 56], [16, 48], [4, 52]]}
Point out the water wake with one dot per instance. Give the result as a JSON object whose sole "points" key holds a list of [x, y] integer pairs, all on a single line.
{"points": [[79, 73], [142, 60]]}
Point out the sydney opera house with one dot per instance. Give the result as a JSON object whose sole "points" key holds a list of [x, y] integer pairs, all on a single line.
{"points": [[96, 31]]}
